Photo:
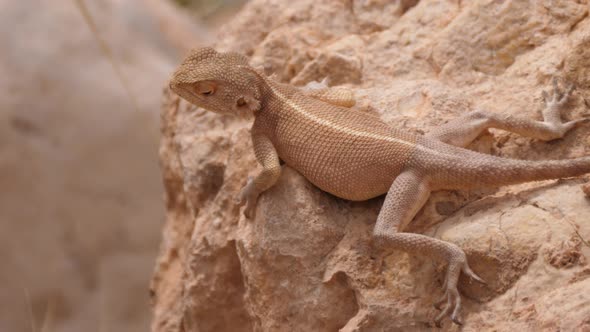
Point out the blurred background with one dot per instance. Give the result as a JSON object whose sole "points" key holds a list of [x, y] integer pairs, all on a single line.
{"points": [[81, 203]]}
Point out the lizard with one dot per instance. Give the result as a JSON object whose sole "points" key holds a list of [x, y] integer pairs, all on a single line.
{"points": [[357, 156]]}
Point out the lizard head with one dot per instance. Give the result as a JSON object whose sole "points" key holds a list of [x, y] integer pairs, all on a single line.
{"points": [[219, 82]]}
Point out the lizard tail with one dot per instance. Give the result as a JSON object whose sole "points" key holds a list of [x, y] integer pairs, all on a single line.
{"points": [[454, 168], [519, 171], [491, 171]]}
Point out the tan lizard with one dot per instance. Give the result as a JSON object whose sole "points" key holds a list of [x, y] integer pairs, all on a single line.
{"points": [[357, 156]]}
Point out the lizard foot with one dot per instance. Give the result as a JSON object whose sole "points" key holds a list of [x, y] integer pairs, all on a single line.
{"points": [[315, 85], [248, 196], [555, 102], [558, 97], [457, 264]]}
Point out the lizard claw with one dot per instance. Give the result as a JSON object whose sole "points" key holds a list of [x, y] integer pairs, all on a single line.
{"points": [[248, 196]]}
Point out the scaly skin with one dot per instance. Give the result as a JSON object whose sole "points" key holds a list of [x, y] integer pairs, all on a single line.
{"points": [[357, 156]]}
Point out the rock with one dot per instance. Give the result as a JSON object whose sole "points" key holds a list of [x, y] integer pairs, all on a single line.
{"points": [[81, 208], [306, 261]]}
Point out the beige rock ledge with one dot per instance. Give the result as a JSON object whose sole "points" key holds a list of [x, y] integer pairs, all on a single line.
{"points": [[306, 261]]}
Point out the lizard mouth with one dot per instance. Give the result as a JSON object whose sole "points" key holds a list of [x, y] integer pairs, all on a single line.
{"points": [[186, 93]]}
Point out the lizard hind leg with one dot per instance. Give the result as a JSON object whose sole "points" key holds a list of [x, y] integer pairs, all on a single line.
{"points": [[405, 198], [337, 96], [463, 130]]}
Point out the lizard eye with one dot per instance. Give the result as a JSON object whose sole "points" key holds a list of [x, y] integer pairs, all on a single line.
{"points": [[241, 102], [205, 88]]}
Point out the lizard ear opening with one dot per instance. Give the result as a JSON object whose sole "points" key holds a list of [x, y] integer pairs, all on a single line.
{"points": [[247, 103]]}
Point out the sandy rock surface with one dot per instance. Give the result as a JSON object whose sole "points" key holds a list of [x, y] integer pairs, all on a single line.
{"points": [[81, 200], [306, 261]]}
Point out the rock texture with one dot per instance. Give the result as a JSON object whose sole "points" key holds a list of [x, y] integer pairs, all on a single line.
{"points": [[306, 262], [81, 199]]}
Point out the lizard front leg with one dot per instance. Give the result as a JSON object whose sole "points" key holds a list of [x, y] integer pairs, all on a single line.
{"points": [[267, 156], [405, 198], [463, 130]]}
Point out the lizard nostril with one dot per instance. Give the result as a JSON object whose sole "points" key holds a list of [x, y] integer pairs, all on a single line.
{"points": [[241, 102]]}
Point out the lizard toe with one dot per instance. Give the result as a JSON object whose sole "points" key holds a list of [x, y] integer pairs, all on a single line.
{"points": [[575, 123], [558, 97], [239, 200], [245, 193], [438, 304], [452, 307], [442, 315], [250, 209], [469, 272], [453, 303]]}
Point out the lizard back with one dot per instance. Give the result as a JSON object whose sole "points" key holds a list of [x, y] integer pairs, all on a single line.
{"points": [[347, 153]]}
